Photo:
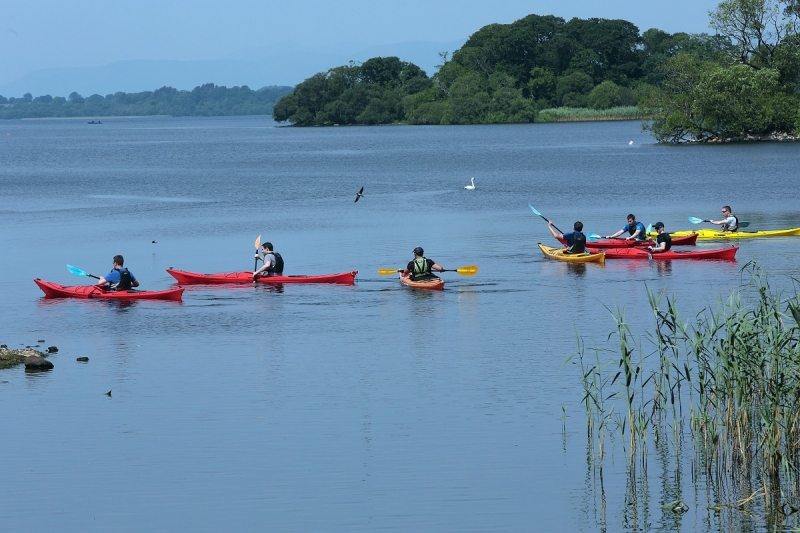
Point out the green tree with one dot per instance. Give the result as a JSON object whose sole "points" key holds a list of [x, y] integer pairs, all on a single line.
{"points": [[468, 100], [605, 95], [572, 88], [755, 27], [735, 101], [671, 105], [542, 87]]}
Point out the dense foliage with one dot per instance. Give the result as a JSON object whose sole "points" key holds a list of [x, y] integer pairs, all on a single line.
{"points": [[744, 81], [205, 100], [503, 73], [751, 91], [371, 93]]}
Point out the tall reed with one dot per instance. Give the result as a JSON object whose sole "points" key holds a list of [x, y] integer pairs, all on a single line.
{"points": [[731, 376]]}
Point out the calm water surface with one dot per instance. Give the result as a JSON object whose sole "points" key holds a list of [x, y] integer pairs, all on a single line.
{"points": [[331, 408]]}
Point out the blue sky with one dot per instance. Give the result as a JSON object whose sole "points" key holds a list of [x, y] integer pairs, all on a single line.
{"points": [[42, 34]]}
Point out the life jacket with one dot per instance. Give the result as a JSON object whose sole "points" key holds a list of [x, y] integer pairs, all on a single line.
{"points": [[421, 268], [125, 280], [276, 268], [727, 227], [578, 244]]}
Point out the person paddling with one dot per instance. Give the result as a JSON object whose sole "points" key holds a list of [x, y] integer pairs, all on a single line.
{"points": [[729, 221], [421, 267], [635, 229], [120, 278], [663, 240], [273, 262], [576, 240]]}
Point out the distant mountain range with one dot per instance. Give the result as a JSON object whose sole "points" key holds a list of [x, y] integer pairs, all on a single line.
{"points": [[254, 67]]}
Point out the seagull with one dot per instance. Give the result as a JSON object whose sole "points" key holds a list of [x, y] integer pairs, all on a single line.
{"points": [[359, 194], [471, 186]]}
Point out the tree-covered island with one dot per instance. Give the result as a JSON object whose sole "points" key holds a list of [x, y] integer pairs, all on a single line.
{"points": [[205, 100], [742, 83]]}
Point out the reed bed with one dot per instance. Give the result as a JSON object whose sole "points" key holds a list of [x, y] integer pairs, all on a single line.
{"points": [[581, 114], [728, 382]]}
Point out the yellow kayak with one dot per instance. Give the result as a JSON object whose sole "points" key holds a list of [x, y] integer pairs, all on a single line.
{"points": [[707, 234], [559, 254]]}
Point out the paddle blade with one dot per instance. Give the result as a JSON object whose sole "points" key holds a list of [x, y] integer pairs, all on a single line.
{"points": [[594, 237], [650, 229], [387, 271], [743, 224], [77, 271], [467, 270], [695, 220], [535, 212], [258, 241]]}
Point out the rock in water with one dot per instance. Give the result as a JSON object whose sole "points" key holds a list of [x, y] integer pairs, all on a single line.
{"points": [[37, 362]]}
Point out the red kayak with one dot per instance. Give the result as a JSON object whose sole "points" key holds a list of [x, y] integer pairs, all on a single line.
{"points": [[686, 240], [55, 290], [727, 254], [195, 278]]}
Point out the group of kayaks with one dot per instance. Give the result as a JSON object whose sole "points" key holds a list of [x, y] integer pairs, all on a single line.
{"points": [[184, 277], [599, 250]]}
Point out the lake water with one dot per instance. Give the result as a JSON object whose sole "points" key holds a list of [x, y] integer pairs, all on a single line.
{"points": [[342, 408]]}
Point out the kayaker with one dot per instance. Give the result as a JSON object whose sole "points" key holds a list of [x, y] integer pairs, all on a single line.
{"points": [[576, 240], [636, 230], [663, 240], [420, 267], [273, 262], [729, 221], [120, 278]]}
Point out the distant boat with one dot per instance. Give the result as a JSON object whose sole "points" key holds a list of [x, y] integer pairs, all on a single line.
{"points": [[94, 122]]}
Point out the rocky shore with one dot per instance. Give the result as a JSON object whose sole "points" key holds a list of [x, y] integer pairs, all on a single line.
{"points": [[32, 359]]}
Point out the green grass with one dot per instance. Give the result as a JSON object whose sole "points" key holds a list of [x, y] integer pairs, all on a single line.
{"points": [[579, 114]]}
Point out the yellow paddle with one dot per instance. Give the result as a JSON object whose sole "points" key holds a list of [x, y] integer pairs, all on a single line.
{"points": [[257, 244], [466, 270]]}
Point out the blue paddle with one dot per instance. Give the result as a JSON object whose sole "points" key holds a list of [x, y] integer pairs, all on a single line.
{"points": [[537, 213], [695, 220], [80, 272]]}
